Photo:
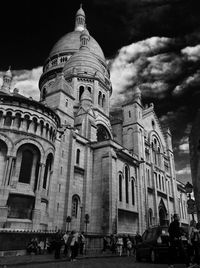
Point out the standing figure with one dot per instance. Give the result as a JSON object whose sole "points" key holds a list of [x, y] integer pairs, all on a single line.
{"points": [[129, 246], [105, 244], [119, 245], [74, 245], [81, 242], [58, 244], [175, 243], [65, 238], [195, 240]]}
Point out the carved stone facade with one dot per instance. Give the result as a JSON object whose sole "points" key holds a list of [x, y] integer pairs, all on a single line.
{"points": [[68, 155]]}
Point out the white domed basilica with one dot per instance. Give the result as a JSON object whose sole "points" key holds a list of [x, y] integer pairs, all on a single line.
{"points": [[68, 156]]}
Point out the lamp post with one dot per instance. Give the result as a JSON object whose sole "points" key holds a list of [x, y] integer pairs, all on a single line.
{"points": [[68, 220], [190, 202], [86, 222]]}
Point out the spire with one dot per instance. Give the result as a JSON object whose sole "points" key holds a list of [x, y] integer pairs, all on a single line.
{"points": [[7, 79], [84, 38], [80, 20], [137, 95]]}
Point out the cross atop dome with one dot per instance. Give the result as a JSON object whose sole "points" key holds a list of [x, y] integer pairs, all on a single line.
{"points": [[80, 20]]}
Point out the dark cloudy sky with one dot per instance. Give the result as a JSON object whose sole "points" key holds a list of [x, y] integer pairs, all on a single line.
{"points": [[151, 43]]}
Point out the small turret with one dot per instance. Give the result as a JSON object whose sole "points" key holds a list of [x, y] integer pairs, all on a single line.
{"points": [[84, 38], [137, 95], [80, 20], [168, 136], [7, 80]]}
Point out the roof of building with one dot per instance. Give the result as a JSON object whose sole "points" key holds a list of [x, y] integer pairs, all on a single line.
{"points": [[70, 43]]}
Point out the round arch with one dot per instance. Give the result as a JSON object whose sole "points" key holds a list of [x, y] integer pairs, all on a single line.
{"points": [[102, 133], [8, 142], [154, 133], [21, 142]]}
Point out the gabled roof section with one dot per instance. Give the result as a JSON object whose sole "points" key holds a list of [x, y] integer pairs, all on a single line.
{"points": [[148, 111], [82, 111], [61, 84]]}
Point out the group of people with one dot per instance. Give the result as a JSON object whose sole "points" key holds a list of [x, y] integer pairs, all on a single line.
{"points": [[121, 244], [73, 243], [190, 250], [35, 246]]}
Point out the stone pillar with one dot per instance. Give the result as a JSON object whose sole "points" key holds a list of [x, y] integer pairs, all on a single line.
{"points": [[156, 213], [23, 126], [40, 177], [31, 127], [9, 166], [37, 209]]}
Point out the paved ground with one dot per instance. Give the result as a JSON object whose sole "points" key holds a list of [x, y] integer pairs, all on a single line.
{"points": [[95, 262], [99, 261]]}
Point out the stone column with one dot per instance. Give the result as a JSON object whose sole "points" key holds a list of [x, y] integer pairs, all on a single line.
{"points": [[31, 127], [40, 177], [23, 126], [37, 209], [8, 170]]}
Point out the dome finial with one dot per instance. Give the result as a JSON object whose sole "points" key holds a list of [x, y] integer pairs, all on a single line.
{"points": [[80, 19]]}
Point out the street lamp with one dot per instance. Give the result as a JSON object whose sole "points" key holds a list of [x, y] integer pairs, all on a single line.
{"points": [[190, 202], [68, 220]]}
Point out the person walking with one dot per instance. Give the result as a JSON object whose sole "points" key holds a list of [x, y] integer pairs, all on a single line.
{"points": [[119, 245], [81, 242], [195, 240], [58, 244], [66, 247], [129, 246], [105, 244], [74, 246], [175, 243]]}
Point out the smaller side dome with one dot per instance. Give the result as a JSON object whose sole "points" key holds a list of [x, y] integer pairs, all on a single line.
{"points": [[84, 38]]}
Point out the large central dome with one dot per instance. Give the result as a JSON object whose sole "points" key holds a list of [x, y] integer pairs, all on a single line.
{"points": [[70, 43], [66, 47]]}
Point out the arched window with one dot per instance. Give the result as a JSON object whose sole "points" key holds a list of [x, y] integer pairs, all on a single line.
{"points": [[47, 170], [159, 181], [26, 166], [102, 133], [133, 191], [77, 156], [89, 89], [126, 184], [103, 100], [159, 156], [99, 98], [3, 154], [75, 202], [150, 217], [44, 93], [81, 90], [129, 114], [120, 187], [8, 119]]}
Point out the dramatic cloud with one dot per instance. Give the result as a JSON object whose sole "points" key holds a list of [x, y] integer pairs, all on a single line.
{"points": [[167, 72], [184, 171], [192, 53]]}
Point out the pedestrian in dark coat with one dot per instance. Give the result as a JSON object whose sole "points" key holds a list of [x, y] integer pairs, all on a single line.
{"points": [[58, 244], [175, 242]]}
